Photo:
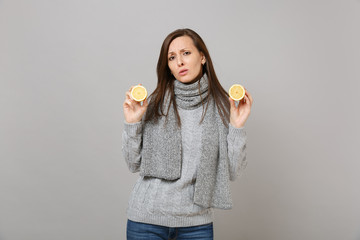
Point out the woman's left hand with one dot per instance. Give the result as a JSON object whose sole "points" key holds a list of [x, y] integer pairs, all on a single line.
{"points": [[239, 114]]}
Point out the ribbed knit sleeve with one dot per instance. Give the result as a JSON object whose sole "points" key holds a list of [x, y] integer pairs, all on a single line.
{"points": [[131, 145], [236, 151]]}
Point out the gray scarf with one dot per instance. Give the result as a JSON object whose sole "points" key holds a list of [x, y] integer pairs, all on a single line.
{"points": [[161, 152]]}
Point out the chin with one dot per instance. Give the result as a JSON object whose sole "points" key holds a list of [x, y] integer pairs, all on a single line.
{"points": [[186, 79]]}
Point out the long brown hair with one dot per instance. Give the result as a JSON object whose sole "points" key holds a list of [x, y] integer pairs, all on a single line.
{"points": [[166, 81]]}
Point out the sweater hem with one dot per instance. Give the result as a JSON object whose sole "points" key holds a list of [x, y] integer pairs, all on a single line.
{"points": [[170, 221]]}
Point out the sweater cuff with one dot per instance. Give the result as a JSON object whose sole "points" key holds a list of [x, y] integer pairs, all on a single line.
{"points": [[240, 132], [133, 129]]}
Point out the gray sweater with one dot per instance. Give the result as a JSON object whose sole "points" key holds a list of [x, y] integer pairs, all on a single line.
{"points": [[170, 203]]}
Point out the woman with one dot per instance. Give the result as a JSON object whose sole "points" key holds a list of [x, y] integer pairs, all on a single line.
{"points": [[187, 141]]}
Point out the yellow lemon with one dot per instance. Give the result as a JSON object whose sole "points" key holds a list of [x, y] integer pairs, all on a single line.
{"points": [[237, 92], [138, 93]]}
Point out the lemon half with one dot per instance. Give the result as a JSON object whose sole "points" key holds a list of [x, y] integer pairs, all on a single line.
{"points": [[237, 92], [138, 93]]}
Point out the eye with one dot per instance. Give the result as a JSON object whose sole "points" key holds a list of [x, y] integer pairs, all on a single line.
{"points": [[187, 53], [171, 58]]}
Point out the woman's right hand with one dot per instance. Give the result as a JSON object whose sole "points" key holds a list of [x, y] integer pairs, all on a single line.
{"points": [[133, 110]]}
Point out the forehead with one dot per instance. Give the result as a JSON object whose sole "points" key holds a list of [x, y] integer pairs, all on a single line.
{"points": [[181, 43]]}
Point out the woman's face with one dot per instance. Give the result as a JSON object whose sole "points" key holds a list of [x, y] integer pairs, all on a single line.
{"points": [[184, 60]]}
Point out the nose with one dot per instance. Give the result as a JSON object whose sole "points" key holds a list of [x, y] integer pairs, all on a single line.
{"points": [[180, 61]]}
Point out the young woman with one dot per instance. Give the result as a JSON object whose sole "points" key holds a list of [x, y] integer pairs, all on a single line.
{"points": [[187, 140]]}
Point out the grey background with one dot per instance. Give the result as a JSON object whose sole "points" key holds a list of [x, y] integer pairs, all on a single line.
{"points": [[64, 69]]}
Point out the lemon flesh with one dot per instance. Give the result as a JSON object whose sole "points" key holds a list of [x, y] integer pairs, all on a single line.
{"points": [[237, 92], [138, 93]]}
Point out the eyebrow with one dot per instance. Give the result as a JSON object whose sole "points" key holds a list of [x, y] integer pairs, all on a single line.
{"points": [[182, 50]]}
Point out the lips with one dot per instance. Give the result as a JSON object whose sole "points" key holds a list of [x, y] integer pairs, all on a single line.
{"points": [[183, 72]]}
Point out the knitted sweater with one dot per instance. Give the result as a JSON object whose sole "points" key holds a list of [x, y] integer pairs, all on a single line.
{"points": [[170, 203]]}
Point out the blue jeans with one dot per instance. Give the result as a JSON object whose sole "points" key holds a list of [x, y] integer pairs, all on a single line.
{"points": [[145, 231]]}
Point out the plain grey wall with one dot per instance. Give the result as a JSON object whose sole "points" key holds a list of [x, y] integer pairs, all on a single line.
{"points": [[64, 69]]}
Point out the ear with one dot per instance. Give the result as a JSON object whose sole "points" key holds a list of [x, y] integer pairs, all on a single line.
{"points": [[203, 59]]}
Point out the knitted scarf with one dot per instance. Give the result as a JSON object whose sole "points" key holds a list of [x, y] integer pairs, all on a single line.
{"points": [[161, 151]]}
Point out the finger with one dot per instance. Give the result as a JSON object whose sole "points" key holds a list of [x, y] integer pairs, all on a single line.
{"points": [[128, 96], [248, 101], [128, 92], [249, 96], [242, 101], [145, 103], [129, 104], [232, 103]]}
